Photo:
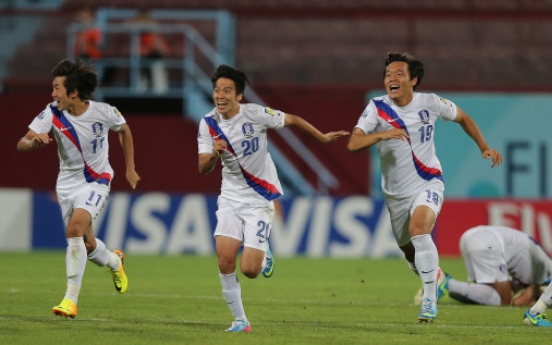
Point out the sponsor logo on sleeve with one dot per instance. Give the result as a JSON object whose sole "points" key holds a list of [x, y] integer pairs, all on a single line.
{"points": [[446, 101]]}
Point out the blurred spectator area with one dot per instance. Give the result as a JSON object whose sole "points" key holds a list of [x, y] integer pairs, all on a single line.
{"points": [[314, 58], [170, 36], [465, 44]]}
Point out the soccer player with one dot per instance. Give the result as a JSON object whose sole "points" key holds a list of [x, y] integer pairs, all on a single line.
{"points": [[505, 267], [80, 127], [237, 134], [402, 125]]}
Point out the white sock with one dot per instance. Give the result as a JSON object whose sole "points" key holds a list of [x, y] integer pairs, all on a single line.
{"points": [[474, 292], [75, 263], [231, 291], [541, 305], [101, 256], [72, 292], [426, 260]]}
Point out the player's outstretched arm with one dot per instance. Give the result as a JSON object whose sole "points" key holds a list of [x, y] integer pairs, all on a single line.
{"points": [[359, 140], [470, 127], [125, 138], [33, 140], [305, 126]]}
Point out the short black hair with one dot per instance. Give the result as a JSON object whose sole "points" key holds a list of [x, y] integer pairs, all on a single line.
{"points": [[415, 67], [78, 76], [238, 77]]}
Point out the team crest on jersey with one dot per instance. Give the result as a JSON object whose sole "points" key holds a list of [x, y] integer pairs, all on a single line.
{"points": [[365, 112], [116, 111], [269, 111], [424, 116], [98, 129], [41, 115], [247, 129]]}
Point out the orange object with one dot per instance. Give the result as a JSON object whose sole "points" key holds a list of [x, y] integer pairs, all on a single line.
{"points": [[88, 43]]}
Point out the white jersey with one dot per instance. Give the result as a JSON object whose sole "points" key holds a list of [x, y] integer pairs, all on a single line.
{"points": [[526, 262], [83, 145], [248, 172], [406, 165]]}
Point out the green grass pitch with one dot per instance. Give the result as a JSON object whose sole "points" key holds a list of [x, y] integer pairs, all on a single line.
{"points": [[177, 300]]}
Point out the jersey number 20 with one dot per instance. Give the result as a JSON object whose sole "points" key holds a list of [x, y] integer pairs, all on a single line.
{"points": [[251, 146]]}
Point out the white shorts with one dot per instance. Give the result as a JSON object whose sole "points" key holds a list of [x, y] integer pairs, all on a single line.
{"points": [[483, 255], [249, 224], [92, 197], [401, 209]]}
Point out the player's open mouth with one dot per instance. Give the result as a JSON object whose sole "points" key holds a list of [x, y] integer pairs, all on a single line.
{"points": [[393, 87]]}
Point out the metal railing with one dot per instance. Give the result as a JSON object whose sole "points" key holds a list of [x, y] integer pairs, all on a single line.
{"points": [[196, 85]]}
